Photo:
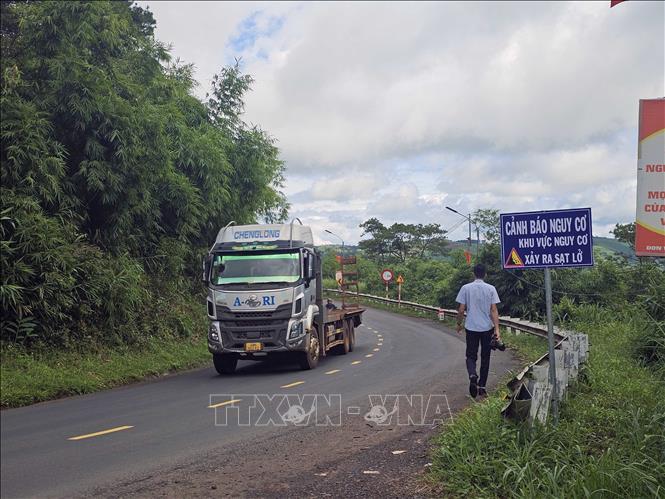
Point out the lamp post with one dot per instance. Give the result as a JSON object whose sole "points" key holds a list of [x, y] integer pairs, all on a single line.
{"points": [[333, 234], [468, 217]]}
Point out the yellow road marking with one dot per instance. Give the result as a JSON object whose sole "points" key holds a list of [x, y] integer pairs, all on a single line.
{"points": [[233, 401], [333, 371], [99, 433], [290, 385], [356, 362], [369, 355], [377, 349]]}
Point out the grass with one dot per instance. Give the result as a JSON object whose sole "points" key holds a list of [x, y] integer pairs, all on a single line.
{"points": [[169, 336], [35, 377], [528, 347], [610, 441]]}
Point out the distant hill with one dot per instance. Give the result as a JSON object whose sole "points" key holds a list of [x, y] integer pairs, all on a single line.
{"points": [[337, 248], [607, 246], [610, 246]]}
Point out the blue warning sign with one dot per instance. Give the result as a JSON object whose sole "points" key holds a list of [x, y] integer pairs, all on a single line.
{"points": [[554, 238]]}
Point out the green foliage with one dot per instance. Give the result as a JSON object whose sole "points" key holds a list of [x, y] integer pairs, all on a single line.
{"points": [[169, 335], [625, 233], [610, 441], [401, 241], [115, 178], [487, 221]]}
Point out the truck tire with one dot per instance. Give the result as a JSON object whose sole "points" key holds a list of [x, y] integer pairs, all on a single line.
{"points": [[345, 347], [309, 359], [352, 336], [224, 364]]}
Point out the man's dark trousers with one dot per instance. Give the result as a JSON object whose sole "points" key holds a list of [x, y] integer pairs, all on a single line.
{"points": [[473, 339]]}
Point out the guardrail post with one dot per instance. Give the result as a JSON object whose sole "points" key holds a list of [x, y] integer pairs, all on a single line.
{"points": [[571, 358], [561, 373], [541, 395]]}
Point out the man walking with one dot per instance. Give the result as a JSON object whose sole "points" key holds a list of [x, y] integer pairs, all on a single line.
{"points": [[479, 300]]}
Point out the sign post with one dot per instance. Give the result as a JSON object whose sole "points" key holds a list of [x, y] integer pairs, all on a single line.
{"points": [[547, 239], [550, 344], [387, 276], [400, 281]]}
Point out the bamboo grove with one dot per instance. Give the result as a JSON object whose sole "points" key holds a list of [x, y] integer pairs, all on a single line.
{"points": [[115, 176]]}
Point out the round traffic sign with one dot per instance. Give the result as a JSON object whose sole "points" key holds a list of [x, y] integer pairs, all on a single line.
{"points": [[387, 275]]}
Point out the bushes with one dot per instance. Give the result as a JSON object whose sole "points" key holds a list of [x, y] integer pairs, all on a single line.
{"points": [[610, 440], [114, 176], [54, 284], [650, 347]]}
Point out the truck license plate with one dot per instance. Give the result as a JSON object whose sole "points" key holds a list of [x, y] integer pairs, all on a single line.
{"points": [[253, 347]]}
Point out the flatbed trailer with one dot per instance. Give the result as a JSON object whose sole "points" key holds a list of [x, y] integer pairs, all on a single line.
{"points": [[337, 333]]}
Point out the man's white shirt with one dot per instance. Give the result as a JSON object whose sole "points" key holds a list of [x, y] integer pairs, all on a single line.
{"points": [[478, 296]]}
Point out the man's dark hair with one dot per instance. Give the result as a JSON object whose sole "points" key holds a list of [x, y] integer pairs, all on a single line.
{"points": [[479, 270]]}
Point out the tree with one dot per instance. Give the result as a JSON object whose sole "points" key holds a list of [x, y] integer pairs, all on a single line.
{"points": [[113, 173], [401, 241], [487, 220], [625, 233], [377, 246], [226, 104], [258, 171]]}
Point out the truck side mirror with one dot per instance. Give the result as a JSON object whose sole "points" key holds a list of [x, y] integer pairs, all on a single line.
{"points": [[207, 263], [307, 270]]}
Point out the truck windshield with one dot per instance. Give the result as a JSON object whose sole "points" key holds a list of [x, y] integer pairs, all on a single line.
{"points": [[273, 267]]}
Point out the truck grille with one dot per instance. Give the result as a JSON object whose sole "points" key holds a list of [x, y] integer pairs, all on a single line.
{"points": [[269, 326]]}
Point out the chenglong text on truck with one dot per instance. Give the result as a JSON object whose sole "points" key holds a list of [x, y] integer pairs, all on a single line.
{"points": [[265, 298]]}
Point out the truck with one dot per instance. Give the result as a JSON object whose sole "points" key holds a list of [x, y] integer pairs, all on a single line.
{"points": [[265, 298]]}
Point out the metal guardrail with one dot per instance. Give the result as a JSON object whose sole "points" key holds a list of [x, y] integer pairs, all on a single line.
{"points": [[531, 389], [513, 324]]}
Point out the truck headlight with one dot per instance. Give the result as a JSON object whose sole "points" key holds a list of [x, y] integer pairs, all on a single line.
{"points": [[213, 333], [296, 330]]}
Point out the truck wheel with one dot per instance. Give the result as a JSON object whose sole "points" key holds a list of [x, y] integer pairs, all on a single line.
{"points": [[310, 358], [352, 336], [345, 347], [224, 364]]}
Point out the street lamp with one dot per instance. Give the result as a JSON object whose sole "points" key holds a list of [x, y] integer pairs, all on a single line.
{"points": [[468, 217], [333, 234]]}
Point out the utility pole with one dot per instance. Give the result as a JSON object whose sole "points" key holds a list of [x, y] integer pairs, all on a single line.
{"points": [[467, 217], [477, 241]]}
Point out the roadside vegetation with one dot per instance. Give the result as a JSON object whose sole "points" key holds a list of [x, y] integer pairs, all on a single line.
{"points": [[114, 180], [610, 440]]}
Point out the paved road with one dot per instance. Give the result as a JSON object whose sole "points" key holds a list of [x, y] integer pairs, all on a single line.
{"points": [[58, 448]]}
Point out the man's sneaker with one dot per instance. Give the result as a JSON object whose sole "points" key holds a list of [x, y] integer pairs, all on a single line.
{"points": [[473, 385], [482, 392]]}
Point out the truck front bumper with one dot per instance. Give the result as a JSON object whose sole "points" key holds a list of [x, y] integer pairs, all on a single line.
{"points": [[221, 341]]}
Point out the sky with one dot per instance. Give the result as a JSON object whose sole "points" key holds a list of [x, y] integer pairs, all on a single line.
{"points": [[396, 110]]}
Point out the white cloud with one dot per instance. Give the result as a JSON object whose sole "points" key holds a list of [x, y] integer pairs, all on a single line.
{"points": [[362, 81], [394, 109], [343, 188]]}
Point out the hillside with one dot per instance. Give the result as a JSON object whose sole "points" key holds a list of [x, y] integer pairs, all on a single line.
{"points": [[609, 246]]}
